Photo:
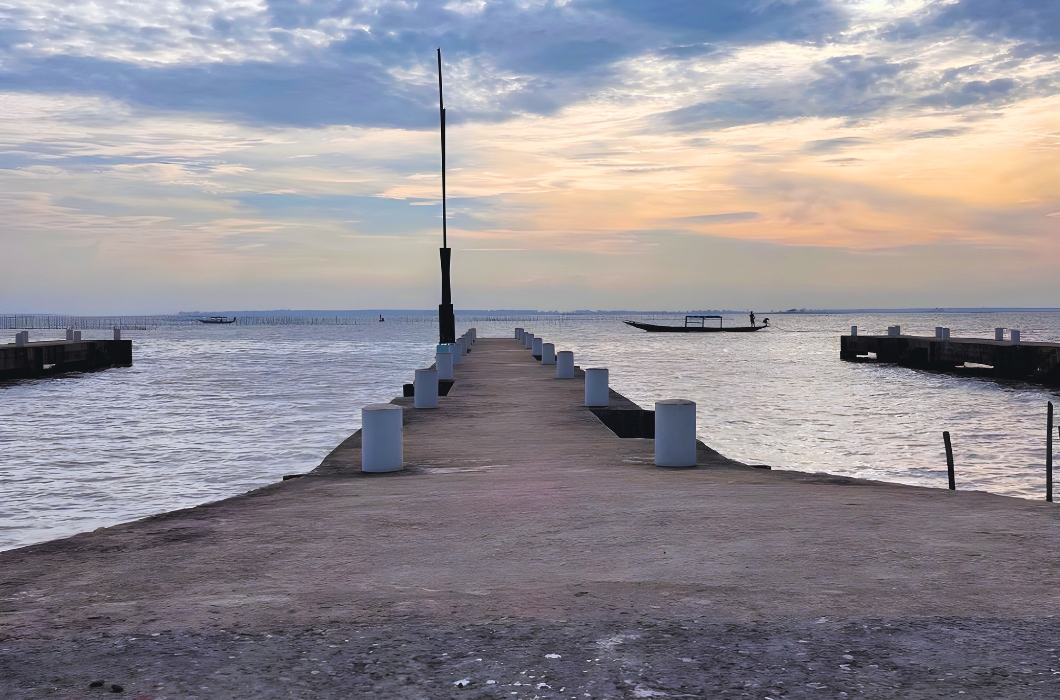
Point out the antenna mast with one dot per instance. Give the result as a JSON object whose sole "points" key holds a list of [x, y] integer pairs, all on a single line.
{"points": [[446, 318]]}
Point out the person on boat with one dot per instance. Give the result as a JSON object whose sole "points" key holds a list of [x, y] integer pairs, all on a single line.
{"points": [[381, 317], [752, 319]]}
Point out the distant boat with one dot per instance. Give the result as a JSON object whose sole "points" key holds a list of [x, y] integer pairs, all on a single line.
{"points": [[381, 319], [218, 319], [697, 324]]}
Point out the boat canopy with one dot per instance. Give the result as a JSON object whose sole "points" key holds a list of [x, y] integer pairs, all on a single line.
{"points": [[702, 321]]}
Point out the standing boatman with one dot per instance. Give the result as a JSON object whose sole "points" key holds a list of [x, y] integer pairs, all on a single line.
{"points": [[752, 319]]}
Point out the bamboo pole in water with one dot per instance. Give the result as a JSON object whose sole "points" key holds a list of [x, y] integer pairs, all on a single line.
{"points": [[949, 459], [1049, 453]]}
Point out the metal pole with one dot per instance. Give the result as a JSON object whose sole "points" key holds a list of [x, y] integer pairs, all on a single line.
{"points": [[441, 114], [446, 318], [1049, 453], [949, 459]]}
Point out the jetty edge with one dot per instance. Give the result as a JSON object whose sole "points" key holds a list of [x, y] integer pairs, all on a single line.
{"points": [[527, 544], [1031, 361], [46, 357]]}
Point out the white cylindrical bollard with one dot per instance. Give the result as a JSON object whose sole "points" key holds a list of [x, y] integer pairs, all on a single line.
{"points": [[20, 339], [518, 333], [77, 335], [528, 340], [1015, 336], [675, 433], [474, 334], [999, 334], [548, 353], [938, 331], [596, 393], [69, 333], [425, 388], [458, 359], [536, 351], [463, 343], [565, 365], [381, 438], [853, 331], [443, 360], [117, 334], [945, 333]]}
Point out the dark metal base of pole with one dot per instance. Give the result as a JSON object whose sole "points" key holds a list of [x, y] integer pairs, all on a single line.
{"points": [[446, 324]]}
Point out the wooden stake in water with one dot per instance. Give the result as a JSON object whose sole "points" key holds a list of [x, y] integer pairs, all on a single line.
{"points": [[949, 459], [1049, 453]]}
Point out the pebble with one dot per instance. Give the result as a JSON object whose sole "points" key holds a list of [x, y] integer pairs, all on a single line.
{"points": [[115, 688], [95, 684]]}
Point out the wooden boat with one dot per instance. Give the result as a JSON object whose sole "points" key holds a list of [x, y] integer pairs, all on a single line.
{"points": [[217, 319], [691, 326]]}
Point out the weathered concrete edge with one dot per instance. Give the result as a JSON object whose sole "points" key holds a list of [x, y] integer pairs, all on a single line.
{"points": [[335, 465]]}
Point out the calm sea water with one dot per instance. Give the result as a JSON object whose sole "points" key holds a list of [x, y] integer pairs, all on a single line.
{"points": [[209, 412]]}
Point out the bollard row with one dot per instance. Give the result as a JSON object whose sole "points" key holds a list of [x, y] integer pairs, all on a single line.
{"points": [[675, 419], [381, 423]]}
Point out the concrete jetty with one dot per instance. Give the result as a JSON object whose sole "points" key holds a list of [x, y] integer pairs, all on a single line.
{"points": [[526, 550], [36, 359], [1026, 360]]}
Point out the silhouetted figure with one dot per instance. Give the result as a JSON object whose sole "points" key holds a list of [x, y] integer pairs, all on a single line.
{"points": [[381, 319], [752, 319]]}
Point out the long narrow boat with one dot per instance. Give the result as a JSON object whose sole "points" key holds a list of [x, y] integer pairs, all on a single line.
{"points": [[691, 326]]}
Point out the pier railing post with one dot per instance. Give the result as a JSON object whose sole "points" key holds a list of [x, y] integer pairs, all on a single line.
{"points": [[596, 387], [425, 388], [443, 360], [1015, 336], [565, 364], [1049, 452], [853, 331], [518, 333], [675, 433], [536, 351], [999, 334], [548, 353], [117, 333], [458, 359], [949, 459], [381, 448], [528, 340], [69, 334]]}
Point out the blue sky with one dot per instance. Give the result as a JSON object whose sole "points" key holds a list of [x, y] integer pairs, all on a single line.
{"points": [[162, 155]]}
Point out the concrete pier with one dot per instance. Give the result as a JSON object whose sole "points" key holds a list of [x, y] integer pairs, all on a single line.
{"points": [[1029, 361], [527, 544], [37, 359]]}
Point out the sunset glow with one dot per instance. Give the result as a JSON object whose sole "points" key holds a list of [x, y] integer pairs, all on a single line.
{"points": [[603, 154]]}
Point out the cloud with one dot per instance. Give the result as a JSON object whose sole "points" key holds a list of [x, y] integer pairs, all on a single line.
{"points": [[974, 92], [737, 20], [253, 92], [836, 145], [938, 133], [1029, 20], [841, 86], [726, 218]]}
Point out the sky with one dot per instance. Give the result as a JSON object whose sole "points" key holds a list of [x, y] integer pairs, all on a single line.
{"points": [[166, 155]]}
